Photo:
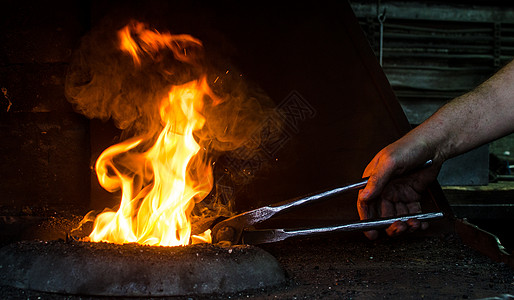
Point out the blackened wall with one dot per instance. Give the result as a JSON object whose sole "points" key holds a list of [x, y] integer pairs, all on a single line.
{"points": [[44, 146]]}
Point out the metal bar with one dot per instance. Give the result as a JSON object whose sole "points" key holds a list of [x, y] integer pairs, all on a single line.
{"points": [[442, 47], [381, 18], [440, 55], [428, 11], [439, 30], [454, 38]]}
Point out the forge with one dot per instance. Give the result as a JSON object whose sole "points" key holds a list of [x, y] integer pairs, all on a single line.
{"points": [[106, 269], [287, 99]]}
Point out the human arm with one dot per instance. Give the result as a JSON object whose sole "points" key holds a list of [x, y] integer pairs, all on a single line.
{"points": [[466, 122]]}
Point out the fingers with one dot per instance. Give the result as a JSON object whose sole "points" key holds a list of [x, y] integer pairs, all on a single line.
{"points": [[413, 224], [401, 209], [371, 235], [398, 207], [400, 227], [379, 171], [396, 228], [367, 211], [414, 207], [388, 209], [384, 196]]}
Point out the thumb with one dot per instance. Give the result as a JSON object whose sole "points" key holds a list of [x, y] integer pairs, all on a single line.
{"points": [[379, 174]]}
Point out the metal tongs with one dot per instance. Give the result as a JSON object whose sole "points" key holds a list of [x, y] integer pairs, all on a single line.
{"points": [[240, 228]]}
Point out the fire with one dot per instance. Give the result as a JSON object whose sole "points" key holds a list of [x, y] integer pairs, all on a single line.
{"points": [[151, 41], [161, 175]]}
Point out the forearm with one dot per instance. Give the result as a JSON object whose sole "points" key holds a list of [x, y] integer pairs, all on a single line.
{"points": [[468, 121]]}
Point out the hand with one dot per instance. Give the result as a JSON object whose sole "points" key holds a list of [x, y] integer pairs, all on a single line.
{"points": [[393, 189]]}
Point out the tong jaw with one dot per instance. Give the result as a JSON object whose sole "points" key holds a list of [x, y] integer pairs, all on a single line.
{"points": [[231, 229]]}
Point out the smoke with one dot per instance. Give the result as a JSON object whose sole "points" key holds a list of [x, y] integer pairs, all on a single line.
{"points": [[126, 82], [106, 82]]}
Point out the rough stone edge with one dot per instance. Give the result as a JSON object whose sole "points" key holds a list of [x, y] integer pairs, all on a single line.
{"points": [[50, 267]]}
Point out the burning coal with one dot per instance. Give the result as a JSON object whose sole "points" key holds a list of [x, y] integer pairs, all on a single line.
{"points": [[177, 113]]}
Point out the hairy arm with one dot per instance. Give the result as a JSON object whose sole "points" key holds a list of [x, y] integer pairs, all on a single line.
{"points": [[464, 123]]}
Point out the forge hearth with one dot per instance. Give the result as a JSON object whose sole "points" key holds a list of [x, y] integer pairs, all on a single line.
{"points": [[332, 267], [105, 269]]}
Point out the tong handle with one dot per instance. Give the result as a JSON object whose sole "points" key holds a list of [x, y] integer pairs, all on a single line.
{"points": [[329, 193], [274, 235], [231, 229]]}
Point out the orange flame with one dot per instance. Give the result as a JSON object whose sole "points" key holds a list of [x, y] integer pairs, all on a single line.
{"points": [[161, 185], [151, 41]]}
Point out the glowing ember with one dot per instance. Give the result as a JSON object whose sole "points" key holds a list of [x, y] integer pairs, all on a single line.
{"points": [[162, 176]]}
